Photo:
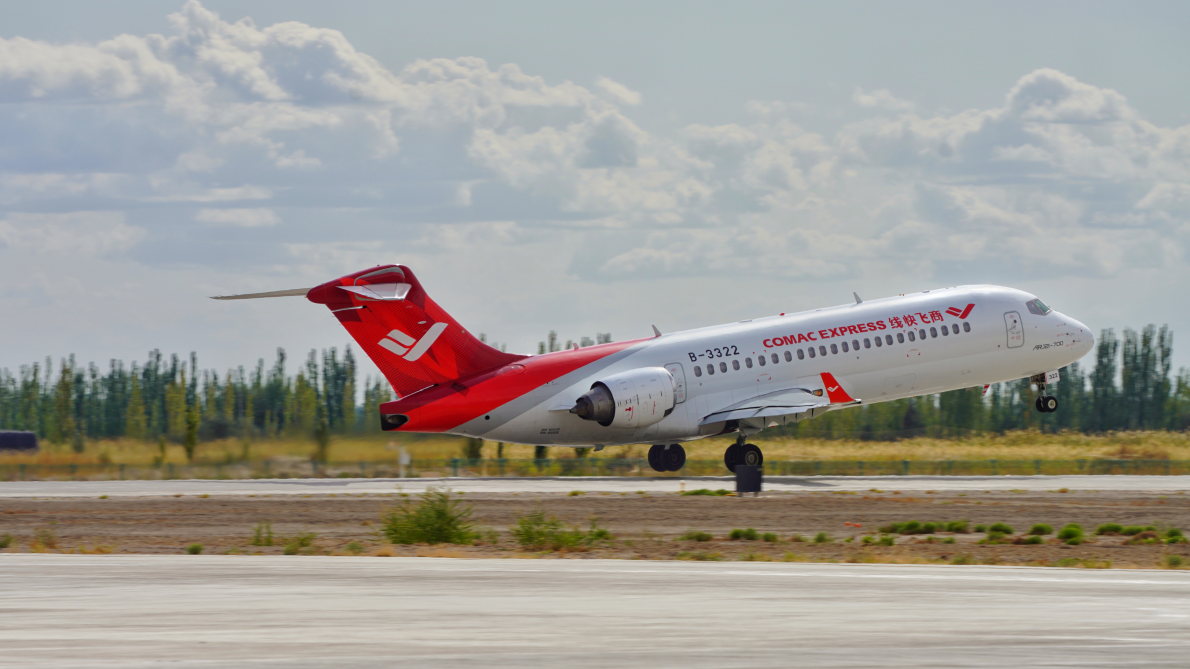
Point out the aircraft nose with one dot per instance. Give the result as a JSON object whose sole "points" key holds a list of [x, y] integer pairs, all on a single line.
{"points": [[1084, 341]]}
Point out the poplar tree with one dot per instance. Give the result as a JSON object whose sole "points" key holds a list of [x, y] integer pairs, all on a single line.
{"points": [[134, 419]]}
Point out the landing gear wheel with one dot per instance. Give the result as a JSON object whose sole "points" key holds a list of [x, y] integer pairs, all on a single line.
{"points": [[731, 457], [1049, 403], [655, 457], [1037, 403], [674, 458], [749, 454]]}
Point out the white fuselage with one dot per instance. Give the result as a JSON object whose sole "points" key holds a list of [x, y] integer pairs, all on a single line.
{"points": [[997, 339]]}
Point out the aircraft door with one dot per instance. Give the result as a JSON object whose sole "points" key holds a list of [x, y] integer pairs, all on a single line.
{"points": [[1016, 329], [675, 370]]}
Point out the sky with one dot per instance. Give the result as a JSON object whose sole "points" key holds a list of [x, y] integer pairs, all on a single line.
{"points": [[584, 168]]}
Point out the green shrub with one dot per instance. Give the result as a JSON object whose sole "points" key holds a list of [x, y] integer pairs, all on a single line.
{"points": [[5, 540], [1041, 529], [994, 538], [1034, 539], [294, 545], [436, 519], [747, 534], [770, 537], [1072, 534], [888, 540], [1175, 536], [981, 528], [1132, 530], [948, 540], [575, 493], [1109, 528], [354, 547], [751, 556], [1001, 527], [695, 535], [538, 531], [822, 538], [705, 491], [963, 558], [958, 527], [46, 537], [194, 549], [1175, 561], [263, 534]]}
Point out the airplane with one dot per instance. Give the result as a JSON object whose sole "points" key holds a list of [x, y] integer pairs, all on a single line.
{"points": [[677, 387]]}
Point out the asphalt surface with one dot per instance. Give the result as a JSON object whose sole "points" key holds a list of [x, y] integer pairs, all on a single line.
{"points": [[216, 611], [587, 484]]}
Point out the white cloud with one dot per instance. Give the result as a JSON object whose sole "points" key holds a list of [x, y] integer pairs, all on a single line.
{"points": [[616, 92], [881, 99], [88, 234], [243, 218]]}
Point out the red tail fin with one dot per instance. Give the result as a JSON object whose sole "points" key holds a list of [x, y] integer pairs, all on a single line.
{"points": [[410, 338]]}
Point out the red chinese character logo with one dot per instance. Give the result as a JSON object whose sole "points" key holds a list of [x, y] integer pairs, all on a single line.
{"points": [[895, 322], [935, 316], [910, 320]]}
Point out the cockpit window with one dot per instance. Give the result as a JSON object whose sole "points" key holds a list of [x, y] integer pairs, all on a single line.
{"points": [[1038, 307]]}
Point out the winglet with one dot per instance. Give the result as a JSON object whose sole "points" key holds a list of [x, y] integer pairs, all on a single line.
{"points": [[857, 300], [656, 332], [834, 389]]}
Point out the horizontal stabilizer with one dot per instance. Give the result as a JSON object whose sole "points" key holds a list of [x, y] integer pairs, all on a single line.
{"points": [[293, 292]]}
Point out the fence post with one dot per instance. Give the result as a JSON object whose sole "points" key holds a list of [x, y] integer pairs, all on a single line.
{"points": [[861, 467], [995, 468], [1037, 467], [817, 467], [1167, 466], [454, 462], [171, 470], [950, 467], [1081, 463], [904, 468]]}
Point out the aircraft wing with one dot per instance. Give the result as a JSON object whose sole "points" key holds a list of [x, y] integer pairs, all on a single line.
{"points": [[779, 403]]}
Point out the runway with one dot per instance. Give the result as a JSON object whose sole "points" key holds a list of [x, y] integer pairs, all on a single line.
{"points": [[207, 611], [564, 484]]}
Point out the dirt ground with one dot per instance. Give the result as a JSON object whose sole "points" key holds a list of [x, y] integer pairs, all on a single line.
{"points": [[644, 526]]}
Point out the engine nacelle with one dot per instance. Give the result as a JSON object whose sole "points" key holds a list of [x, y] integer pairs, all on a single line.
{"points": [[637, 398]]}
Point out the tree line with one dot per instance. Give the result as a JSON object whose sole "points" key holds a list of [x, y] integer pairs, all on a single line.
{"points": [[173, 400]]}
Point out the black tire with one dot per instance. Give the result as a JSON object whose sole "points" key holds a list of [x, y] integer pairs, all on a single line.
{"points": [[730, 457], [674, 458], [1050, 403], [655, 458], [750, 454], [1037, 403]]}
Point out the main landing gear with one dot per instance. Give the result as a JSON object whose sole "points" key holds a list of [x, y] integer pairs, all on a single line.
{"points": [[664, 458], [1044, 403], [740, 453]]}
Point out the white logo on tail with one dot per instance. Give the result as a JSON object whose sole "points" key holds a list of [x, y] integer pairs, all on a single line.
{"points": [[409, 348]]}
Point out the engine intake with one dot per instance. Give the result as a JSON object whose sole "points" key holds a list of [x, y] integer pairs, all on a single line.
{"points": [[633, 399]]}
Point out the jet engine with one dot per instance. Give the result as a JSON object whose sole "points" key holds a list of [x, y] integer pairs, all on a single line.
{"points": [[637, 398]]}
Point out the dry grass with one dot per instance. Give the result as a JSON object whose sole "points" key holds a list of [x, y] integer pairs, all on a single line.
{"points": [[385, 447]]}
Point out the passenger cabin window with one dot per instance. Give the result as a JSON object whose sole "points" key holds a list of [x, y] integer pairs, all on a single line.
{"points": [[1038, 307], [933, 332], [844, 347], [822, 350], [801, 355], [955, 328], [710, 369], [776, 359], [735, 364], [854, 344], [901, 337], [835, 349], [888, 339], [723, 367], [812, 354], [966, 327], [698, 370], [868, 342], [945, 330], [921, 334], [879, 342], [760, 359], [748, 362], [911, 336], [788, 357]]}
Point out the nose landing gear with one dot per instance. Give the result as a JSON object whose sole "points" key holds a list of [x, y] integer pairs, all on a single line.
{"points": [[1044, 403], [740, 453], [663, 459]]}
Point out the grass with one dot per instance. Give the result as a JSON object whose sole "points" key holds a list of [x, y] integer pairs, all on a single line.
{"points": [[706, 492], [6, 540], [437, 518], [823, 538], [1174, 561], [695, 535], [263, 534], [575, 493], [1000, 527], [1109, 529], [354, 547], [295, 545], [194, 549], [540, 531], [748, 534], [1023, 445], [1071, 534], [770, 537], [700, 556]]}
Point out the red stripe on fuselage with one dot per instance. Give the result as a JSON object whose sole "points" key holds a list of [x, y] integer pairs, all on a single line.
{"points": [[447, 406]]}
